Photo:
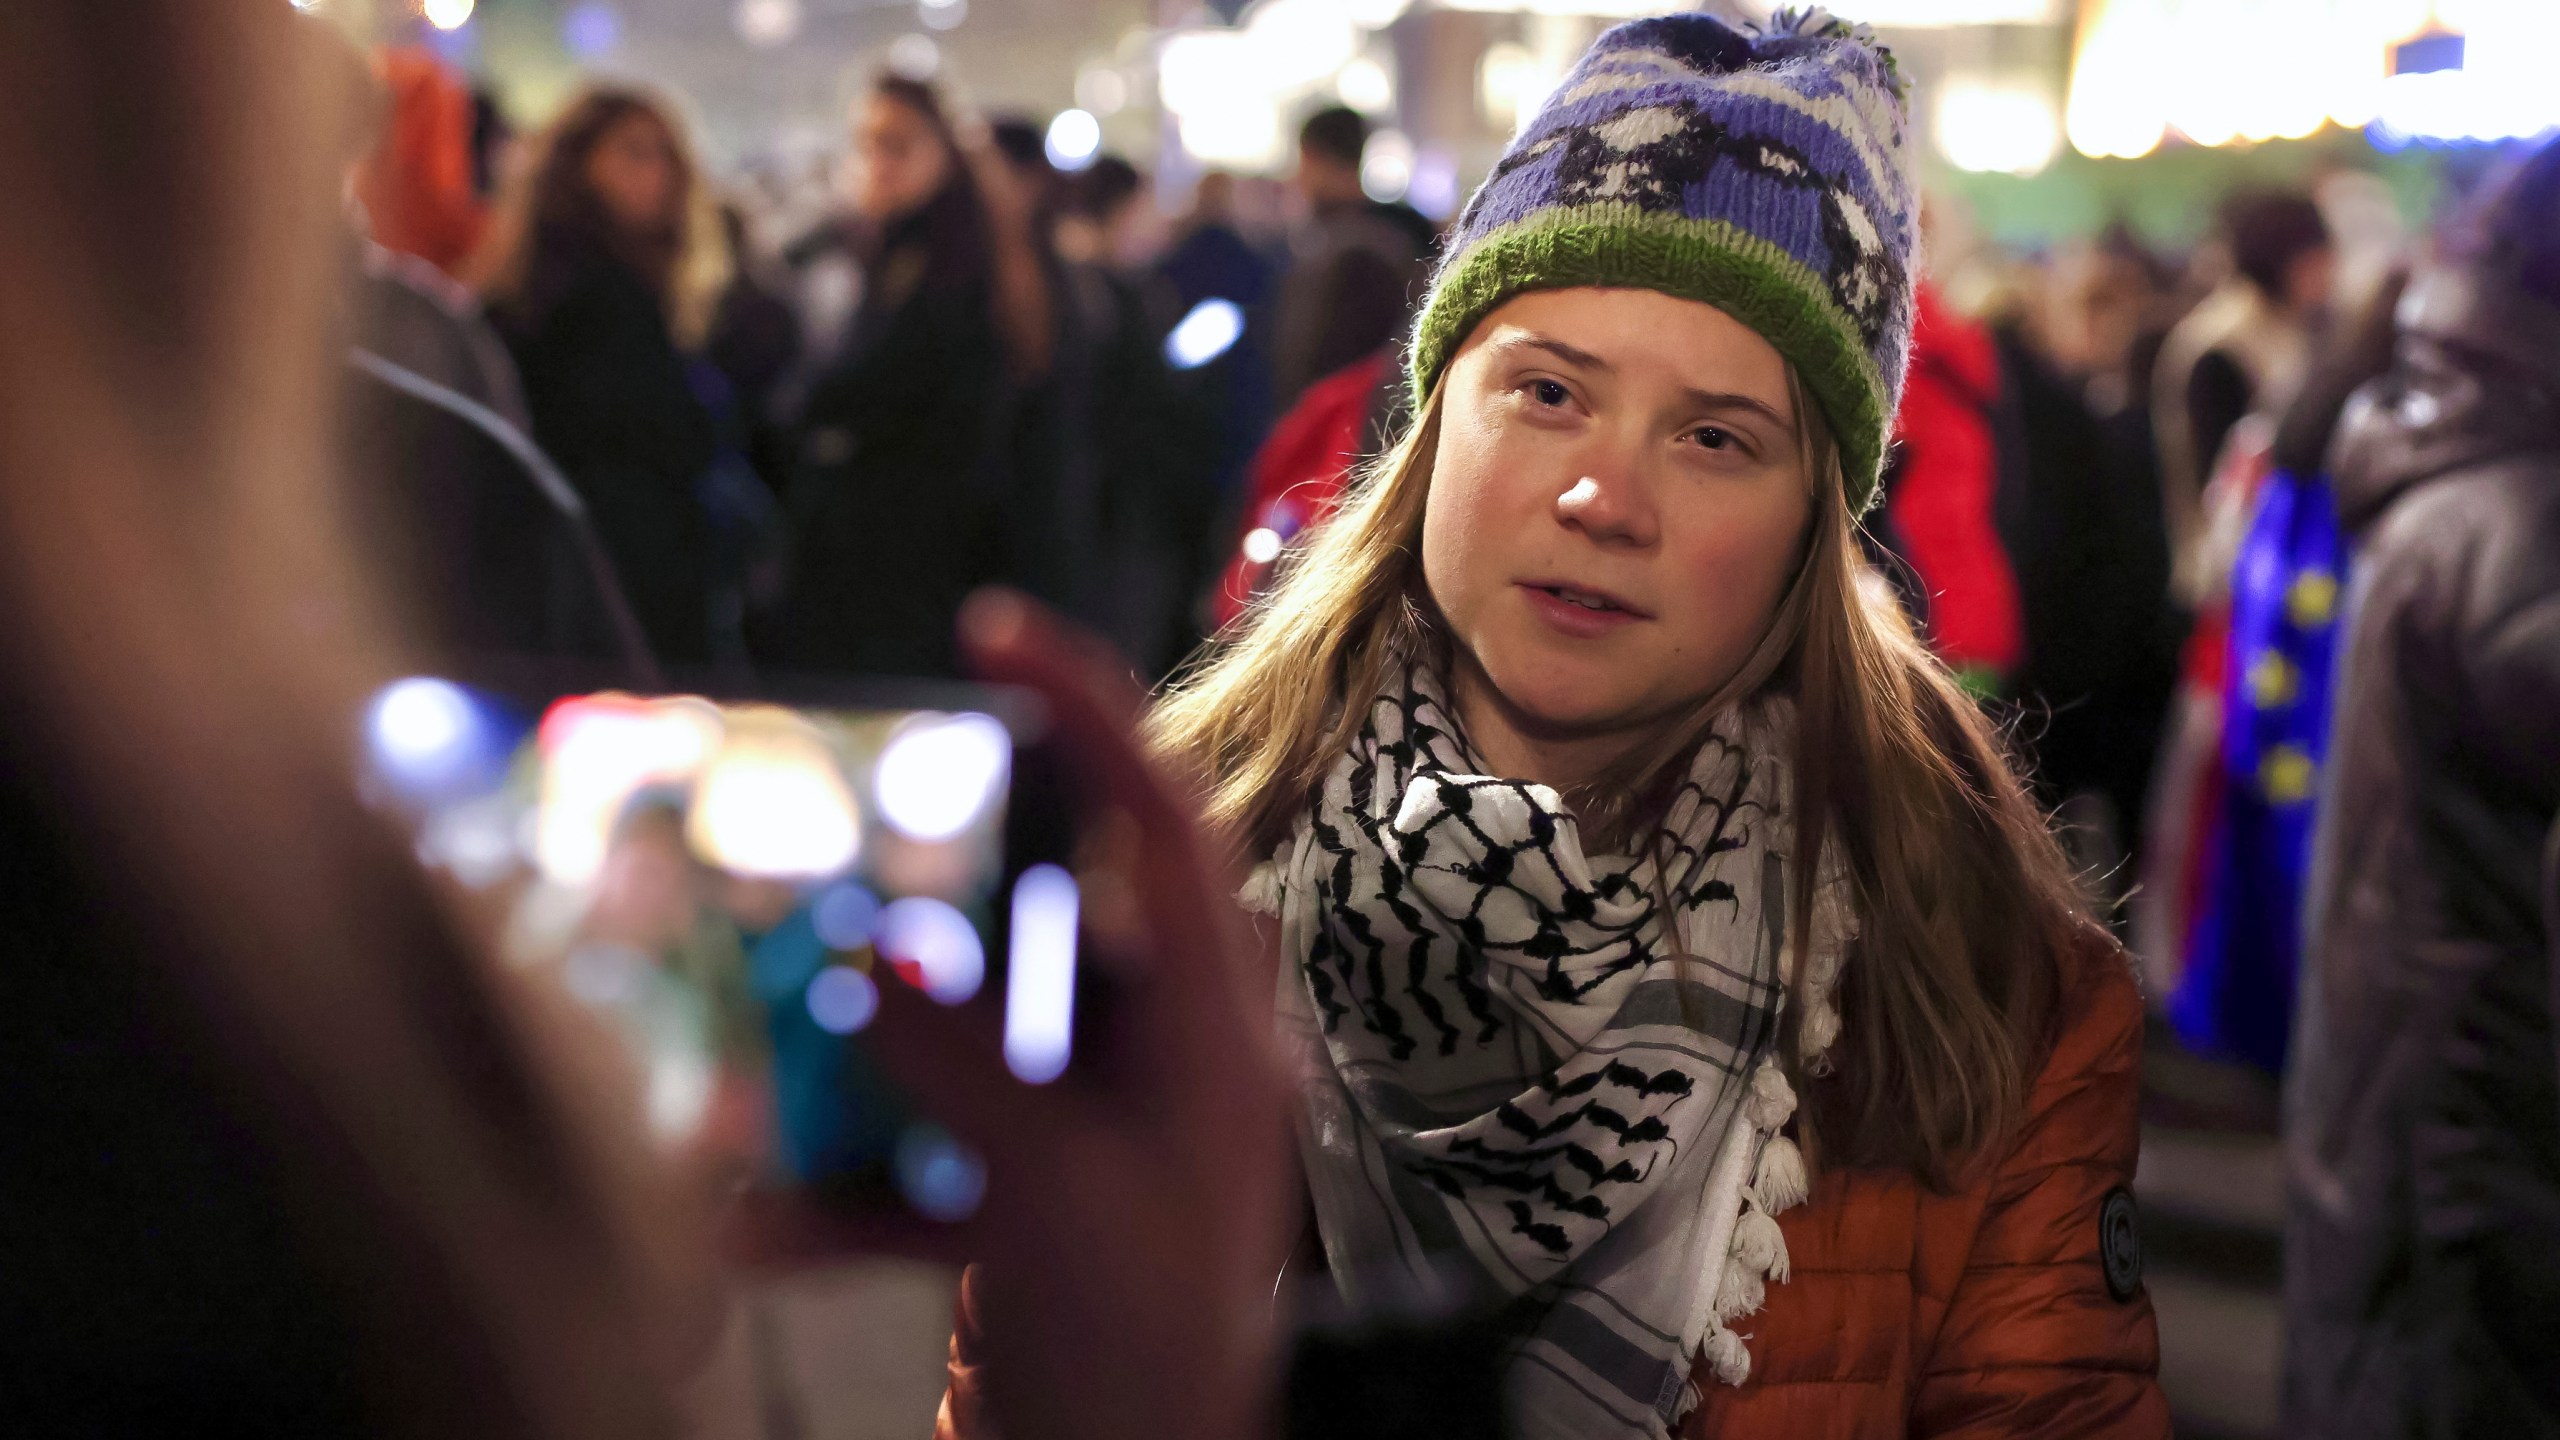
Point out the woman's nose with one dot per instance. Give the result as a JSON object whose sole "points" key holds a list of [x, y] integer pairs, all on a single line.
{"points": [[1611, 512]]}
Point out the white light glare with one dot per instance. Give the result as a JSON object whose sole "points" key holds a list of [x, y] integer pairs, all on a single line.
{"points": [[1261, 545], [1040, 981], [949, 960], [1075, 137], [1386, 167], [768, 22], [914, 57], [1511, 84], [448, 14], [773, 803], [420, 728], [1984, 129], [942, 14], [939, 773], [1209, 331], [1365, 86], [1102, 90]]}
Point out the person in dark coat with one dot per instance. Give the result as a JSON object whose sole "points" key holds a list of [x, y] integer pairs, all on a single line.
{"points": [[601, 279], [2422, 1284], [897, 498], [1355, 267]]}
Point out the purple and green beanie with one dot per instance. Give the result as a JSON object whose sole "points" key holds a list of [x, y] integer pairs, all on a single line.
{"points": [[1761, 171]]}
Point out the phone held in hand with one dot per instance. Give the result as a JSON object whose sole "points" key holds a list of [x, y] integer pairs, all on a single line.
{"points": [[730, 881]]}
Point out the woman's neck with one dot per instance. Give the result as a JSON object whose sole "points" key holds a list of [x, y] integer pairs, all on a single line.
{"points": [[1515, 747]]}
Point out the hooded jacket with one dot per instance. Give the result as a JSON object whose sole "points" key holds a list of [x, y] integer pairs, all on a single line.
{"points": [[2423, 1128]]}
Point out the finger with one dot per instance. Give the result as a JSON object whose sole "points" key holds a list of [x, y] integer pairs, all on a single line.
{"points": [[1094, 711], [949, 1062]]}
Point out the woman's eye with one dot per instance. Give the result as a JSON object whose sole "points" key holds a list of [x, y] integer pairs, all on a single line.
{"points": [[1711, 438], [1549, 392]]}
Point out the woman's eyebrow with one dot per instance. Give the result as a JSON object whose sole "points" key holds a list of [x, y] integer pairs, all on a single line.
{"points": [[1571, 355], [1728, 400]]}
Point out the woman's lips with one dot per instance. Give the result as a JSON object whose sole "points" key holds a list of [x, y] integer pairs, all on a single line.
{"points": [[1583, 614]]}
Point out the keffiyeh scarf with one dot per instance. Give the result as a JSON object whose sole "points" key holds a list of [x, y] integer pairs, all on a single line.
{"points": [[1536, 1073]]}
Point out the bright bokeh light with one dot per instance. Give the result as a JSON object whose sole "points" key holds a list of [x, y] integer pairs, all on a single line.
{"points": [[1040, 975], [915, 57], [1074, 138], [597, 753], [940, 773], [1386, 167], [768, 22], [1102, 90], [942, 14], [773, 803], [421, 731], [1297, 43], [1511, 82], [1985, 129], [1210, 330], [2205, 69], [448, 14], [1261, 545], [842, 1000], [937, 943], [1226, 111], [1365, 86], [845, 917]]}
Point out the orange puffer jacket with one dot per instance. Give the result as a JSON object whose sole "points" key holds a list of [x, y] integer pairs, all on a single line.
{"points": [[2003, 1309], [1991, 1311]]}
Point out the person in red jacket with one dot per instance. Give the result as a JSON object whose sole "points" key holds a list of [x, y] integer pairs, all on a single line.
{"points": [[1300, 472], [1939, 492]]}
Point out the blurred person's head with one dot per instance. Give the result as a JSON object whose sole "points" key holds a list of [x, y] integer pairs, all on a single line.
{"points": [[1213, 200], [905, 151], [2281, 245], [2105, 295], [2513, 228], [1330, 145], [1628, 500], [612, 180], [1098, 211]]}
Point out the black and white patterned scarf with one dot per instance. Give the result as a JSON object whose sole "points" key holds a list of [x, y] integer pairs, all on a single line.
{"points": [[1523, 1077]]}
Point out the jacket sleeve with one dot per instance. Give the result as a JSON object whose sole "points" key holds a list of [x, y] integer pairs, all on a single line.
{"points": [[2034, 1343]]}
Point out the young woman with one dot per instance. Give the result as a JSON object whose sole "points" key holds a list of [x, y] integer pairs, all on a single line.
{"points": [[602, 273], [897, 495], [1666, 945]]}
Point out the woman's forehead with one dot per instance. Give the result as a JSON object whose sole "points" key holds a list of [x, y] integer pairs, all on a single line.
{"points": [[1641, 336]]}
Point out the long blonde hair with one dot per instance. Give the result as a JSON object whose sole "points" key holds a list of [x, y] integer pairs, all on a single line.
{"points": [[1967, 905]]}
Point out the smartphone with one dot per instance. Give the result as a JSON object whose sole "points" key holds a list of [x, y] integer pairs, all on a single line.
{"points": [[730, 880]]}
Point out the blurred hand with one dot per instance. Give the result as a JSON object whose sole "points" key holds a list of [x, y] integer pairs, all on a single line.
{"points": [[1137, 1209]]}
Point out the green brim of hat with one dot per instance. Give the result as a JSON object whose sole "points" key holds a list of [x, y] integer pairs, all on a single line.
{"points": [[1622, 247]]}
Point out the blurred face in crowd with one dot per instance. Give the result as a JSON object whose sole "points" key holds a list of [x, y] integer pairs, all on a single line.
{"points": [[2310, 278], [1618, 504], [635, 173], [900, 161]]}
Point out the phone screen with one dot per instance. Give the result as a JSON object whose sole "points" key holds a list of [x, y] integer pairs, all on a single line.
{"points": [[730, 884]]}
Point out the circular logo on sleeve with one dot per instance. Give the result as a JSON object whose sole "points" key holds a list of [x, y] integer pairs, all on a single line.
{"points": [[2120, 1244]]}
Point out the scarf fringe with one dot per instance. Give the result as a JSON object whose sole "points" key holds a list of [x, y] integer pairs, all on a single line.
{"points": [[1757, 1255]]}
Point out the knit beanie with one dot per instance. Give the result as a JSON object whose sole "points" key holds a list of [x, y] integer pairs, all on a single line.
{"points": [[1762, 171]]}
